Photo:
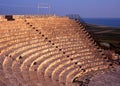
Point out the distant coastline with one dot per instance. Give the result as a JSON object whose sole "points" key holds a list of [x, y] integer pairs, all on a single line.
{"points": [[102, 26], [103, 22]]}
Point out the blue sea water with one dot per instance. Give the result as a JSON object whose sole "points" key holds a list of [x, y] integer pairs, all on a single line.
{"points": [[112, 22]]}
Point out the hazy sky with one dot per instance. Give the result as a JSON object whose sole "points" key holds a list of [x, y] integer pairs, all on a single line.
{"points": [[86, 8]]}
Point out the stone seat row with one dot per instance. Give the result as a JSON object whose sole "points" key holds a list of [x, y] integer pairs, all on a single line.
{"points": [[47, 56]]}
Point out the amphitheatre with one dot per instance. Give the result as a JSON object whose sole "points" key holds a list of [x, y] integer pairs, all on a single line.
{"points": [[52, 51]]}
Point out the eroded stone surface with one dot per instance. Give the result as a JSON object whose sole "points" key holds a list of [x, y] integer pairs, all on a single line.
{"points": [[51, 51], [109, 78]]}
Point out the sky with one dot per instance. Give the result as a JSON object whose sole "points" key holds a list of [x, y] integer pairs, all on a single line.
{"points": [[85, 8]]}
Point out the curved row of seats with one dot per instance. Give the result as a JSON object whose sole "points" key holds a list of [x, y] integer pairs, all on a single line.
{"points": [[12, 45], [46, 52], [50, 26], [42, 67]]}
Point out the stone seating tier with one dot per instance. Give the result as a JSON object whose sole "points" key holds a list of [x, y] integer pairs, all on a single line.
{"points": [[47, 51]]}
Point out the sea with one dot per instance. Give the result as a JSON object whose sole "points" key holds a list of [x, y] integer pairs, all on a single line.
{"points": [[110, 22]]}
